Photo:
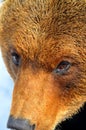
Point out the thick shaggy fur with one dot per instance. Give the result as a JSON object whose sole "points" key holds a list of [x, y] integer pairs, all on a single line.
{"points": [[44, 33]]}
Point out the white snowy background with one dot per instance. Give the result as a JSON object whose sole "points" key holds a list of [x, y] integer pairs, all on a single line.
{"points": [[6, 87]]}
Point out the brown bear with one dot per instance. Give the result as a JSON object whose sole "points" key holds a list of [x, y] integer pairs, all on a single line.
{"points": [[43, 43]]}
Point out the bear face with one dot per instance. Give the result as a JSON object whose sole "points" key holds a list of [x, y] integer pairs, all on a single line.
{"points": [[43, 44]]}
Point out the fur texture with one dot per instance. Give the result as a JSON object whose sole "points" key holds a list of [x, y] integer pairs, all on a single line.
{"points": [[44, 33]]}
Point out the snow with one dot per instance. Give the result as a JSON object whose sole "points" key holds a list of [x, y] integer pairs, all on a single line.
{"points": [[6, 88]]}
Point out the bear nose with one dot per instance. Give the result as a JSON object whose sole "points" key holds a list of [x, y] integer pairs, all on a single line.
{"points": [[19, 124]]}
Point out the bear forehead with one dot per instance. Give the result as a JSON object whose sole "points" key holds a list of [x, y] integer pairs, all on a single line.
{"points": [[44, 18], [38, 26]]}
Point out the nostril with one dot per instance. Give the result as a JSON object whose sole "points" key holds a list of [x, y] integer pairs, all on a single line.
{"points": [[19, 124]]}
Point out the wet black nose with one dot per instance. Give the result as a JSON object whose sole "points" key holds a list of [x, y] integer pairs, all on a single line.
{"points": [[19, 124]]}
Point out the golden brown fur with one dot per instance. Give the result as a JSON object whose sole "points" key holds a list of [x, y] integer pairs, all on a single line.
{"points": [[43, 33]]}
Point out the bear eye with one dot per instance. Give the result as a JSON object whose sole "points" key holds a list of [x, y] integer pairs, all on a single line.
{"points": [[15, 58], [63, 67]]}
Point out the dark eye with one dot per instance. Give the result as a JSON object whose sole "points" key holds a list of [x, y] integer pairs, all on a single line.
{"points": [[63, 67], [15, 58]]}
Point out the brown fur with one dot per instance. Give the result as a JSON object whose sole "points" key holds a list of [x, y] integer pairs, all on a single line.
{"points": [[43, 33]]}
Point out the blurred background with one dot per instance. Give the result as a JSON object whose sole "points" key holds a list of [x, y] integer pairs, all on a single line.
{"points": [[6, 87]]}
